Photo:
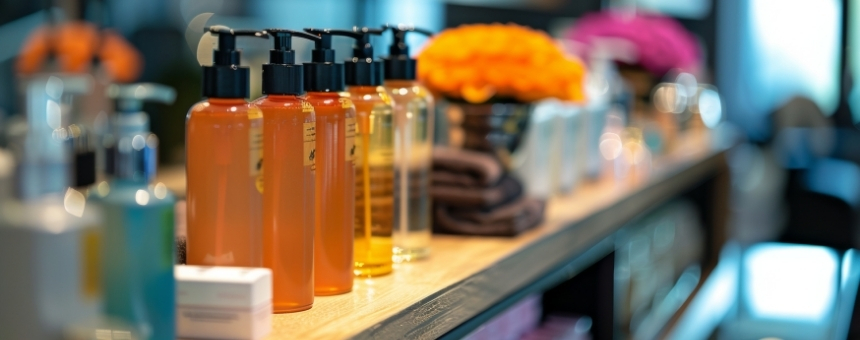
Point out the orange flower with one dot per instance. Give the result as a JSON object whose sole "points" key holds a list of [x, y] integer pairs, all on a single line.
{"points": [[477, 62]]}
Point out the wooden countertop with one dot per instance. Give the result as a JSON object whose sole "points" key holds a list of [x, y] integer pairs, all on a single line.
{"points": [[465, 276]]}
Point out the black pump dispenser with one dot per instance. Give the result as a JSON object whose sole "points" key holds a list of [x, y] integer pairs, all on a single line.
{"points": [[398, 65], [322, 74], [281, 75], [361, 69], [225, 78]]}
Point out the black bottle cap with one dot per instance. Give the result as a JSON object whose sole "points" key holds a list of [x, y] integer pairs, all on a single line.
{"points": [[398, 65], [322, 74], [361, 69], [281, 75], [225, 78]]}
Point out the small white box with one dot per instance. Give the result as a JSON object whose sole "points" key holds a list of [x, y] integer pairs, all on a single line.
{"points": [[223, 302]]}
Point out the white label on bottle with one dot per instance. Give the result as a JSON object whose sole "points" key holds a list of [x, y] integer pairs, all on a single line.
{"points": [[255, 147], [310, 140]]}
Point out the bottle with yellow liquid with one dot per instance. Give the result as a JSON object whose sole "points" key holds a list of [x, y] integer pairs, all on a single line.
{"points": [[374, 157], [224, 155], [413, 146]]}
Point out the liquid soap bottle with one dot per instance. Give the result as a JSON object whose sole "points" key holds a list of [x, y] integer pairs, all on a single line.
{"points": [[289, 140], [374, 157], [335, 174], [138, 250], [49, 233], [413, 146], [224, 155]]}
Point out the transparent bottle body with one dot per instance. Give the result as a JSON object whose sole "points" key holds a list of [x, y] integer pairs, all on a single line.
{"points": [[224, 194], [374, 180], [139, 253], [413, 146], [289, 199], [335, 193]]}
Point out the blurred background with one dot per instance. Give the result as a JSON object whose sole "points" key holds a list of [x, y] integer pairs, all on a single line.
{"points": [[780, 72]]}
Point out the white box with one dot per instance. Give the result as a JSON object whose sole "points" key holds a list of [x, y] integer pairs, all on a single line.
{"points": [[223, 302]]}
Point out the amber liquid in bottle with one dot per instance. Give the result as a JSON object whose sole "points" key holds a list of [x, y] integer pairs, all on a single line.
{"points": [[224, 143], [335, 194], [374, 180], [413, 146], [289, 140]]}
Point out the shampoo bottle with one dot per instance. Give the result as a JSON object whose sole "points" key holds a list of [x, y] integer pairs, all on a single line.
{"points": [[289, 140], [138, 250], [224, 156], [413, 146], [335, 176], [49, 234], [374, 157]]}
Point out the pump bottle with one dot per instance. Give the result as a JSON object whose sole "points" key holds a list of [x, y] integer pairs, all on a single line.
{"points": [[374, 156], [49, 233], [335, 176], [224, 155], [289, 140], [413, 145], [138, 248]]}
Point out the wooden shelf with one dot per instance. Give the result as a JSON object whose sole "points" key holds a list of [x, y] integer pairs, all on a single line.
{"points": [[466, 277]]}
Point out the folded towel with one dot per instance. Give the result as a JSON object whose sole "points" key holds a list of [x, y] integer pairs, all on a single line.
{"points": [[507, 220], [485, 198], [465, 168]]}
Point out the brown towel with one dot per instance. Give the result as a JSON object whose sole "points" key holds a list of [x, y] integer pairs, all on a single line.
{"points": [[465, 168], [506, 190], [507, 220]]}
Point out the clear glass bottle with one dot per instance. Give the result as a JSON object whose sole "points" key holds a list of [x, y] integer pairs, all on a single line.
{"points": [[413, 147], [374, 180]]}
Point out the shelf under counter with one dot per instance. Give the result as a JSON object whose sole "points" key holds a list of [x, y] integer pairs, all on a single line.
{"points": [[469, 279]]}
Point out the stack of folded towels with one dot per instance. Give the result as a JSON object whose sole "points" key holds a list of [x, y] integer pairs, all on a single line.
{"points": [[473, 194]]}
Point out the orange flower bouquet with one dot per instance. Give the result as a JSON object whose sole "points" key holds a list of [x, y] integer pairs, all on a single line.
{"points": [[480, 63]]}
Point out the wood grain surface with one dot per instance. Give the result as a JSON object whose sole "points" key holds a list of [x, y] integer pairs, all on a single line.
{"points": [[466, 275]]}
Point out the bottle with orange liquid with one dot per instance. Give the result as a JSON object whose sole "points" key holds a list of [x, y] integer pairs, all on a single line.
{"points": [[374, 158], [224, 155], [289, 140], [413, 146], [335, 175]]}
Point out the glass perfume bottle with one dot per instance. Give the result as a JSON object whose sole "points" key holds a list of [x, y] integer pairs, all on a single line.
{"points": [[374, 158], [289, 193], [224, 149], [335, 177], [413, 147]]}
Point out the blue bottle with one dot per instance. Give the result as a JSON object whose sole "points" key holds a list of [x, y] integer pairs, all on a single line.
{"points": [[138, 254]]}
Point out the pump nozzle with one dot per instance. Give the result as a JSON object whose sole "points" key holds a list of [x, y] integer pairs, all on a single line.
{"points": [[281, 75], [322, 53], [398, 45], [225, 78], [398, 65], [323, 74], [361, 69], [130, 98], [363, 48]]}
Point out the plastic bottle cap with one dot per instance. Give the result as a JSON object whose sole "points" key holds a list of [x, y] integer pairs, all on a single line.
{"points": [[361, 69], [225, 78], [322, 74], [281, 75], [398, 65]]}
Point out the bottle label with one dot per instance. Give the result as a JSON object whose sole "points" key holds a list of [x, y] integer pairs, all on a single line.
{"points": [[255, 150], [345, 103], [307, 107], [350, 140], [310, 140], [90, 262]]}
